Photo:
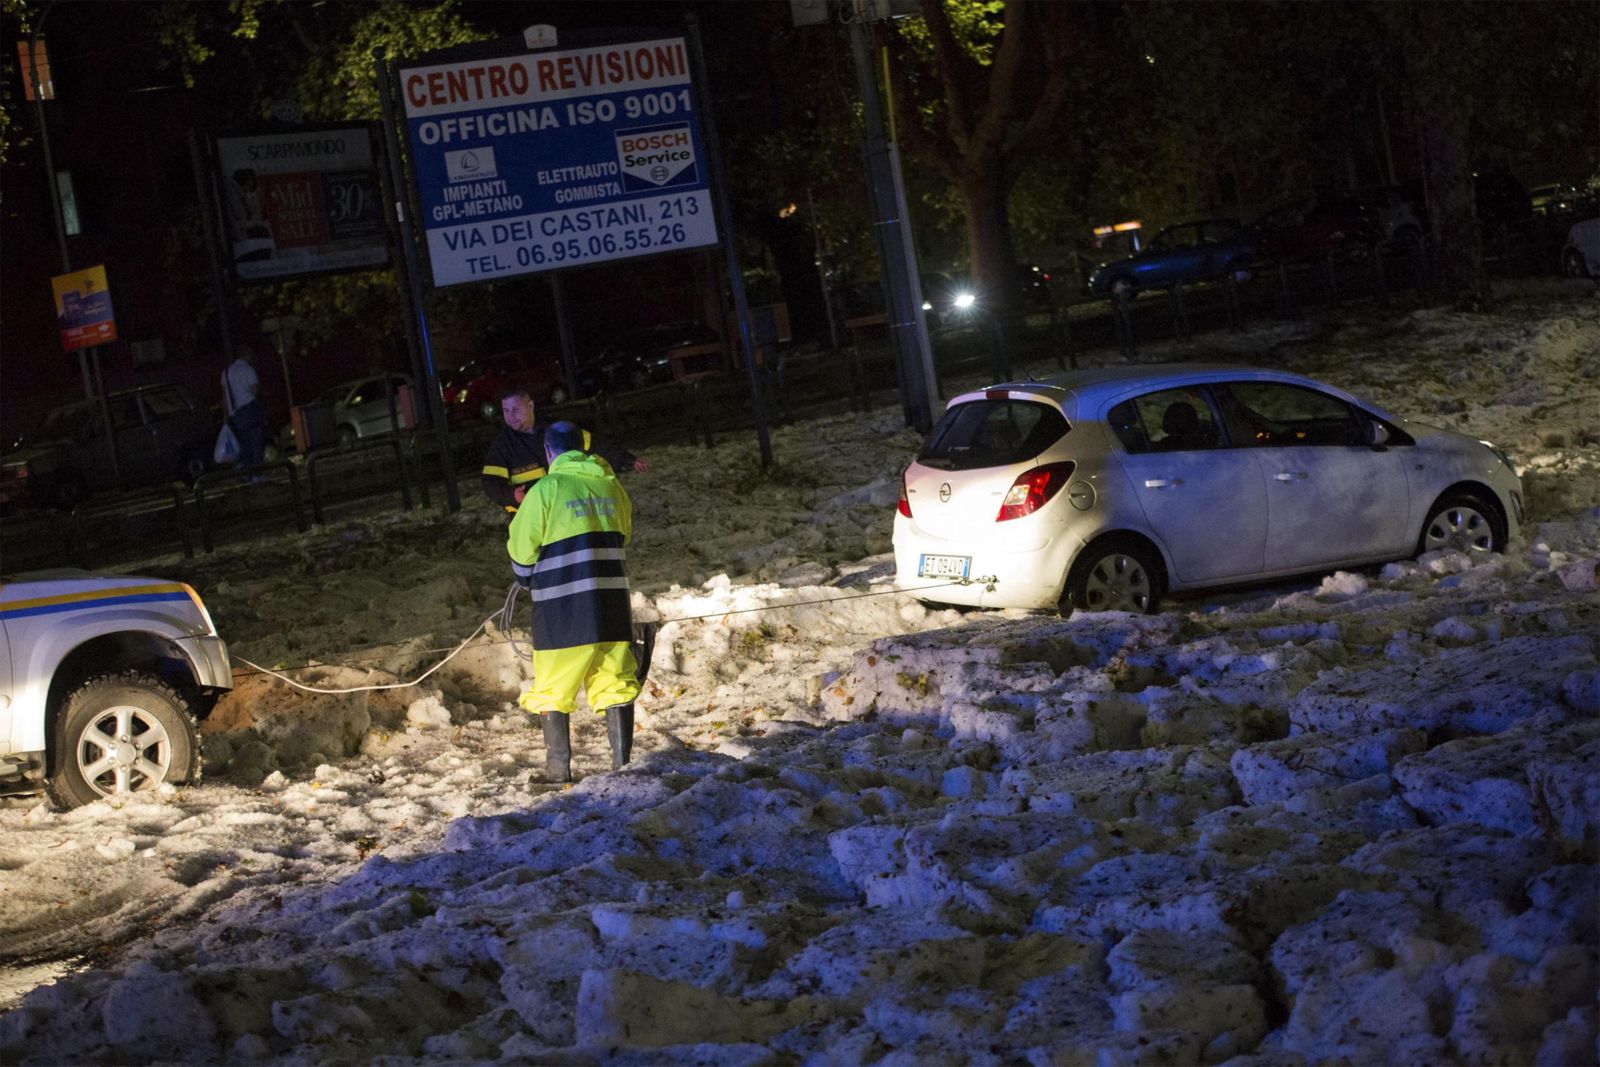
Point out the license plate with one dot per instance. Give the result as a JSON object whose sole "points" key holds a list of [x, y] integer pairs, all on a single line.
{"points": [[944, 566]]}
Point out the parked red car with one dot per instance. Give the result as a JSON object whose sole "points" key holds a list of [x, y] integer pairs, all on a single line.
{"points": [[1302, 231], [473, 391]]}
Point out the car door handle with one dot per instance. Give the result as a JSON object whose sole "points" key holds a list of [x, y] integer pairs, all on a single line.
{"points": [[1291, 476], [1162, 483]]}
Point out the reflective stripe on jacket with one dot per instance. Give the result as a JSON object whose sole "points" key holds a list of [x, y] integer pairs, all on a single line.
{"points": [[569, 535]]}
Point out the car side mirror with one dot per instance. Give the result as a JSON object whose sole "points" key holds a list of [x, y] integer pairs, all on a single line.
{"points": [[1377, 434]]}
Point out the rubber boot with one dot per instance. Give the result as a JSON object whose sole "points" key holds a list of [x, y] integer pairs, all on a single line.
{"points": [[557, 745], [619, 728]]}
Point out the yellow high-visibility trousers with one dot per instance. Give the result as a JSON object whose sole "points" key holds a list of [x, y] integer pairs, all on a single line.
{"points": [[606, 672]]}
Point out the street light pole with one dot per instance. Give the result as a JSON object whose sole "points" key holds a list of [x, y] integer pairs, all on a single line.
{"points": [[89, 391], [908, 335], [50, 174]]}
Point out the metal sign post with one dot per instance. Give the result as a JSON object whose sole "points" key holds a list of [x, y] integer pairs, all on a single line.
{"points": [[741, 306], [419, 313]]}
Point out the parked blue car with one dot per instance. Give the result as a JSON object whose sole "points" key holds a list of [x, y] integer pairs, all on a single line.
{"points": [[1189, 252]]}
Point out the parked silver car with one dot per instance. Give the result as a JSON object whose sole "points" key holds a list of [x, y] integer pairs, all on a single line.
{"points": [[371, 406], [102, 683], [1103, 489]]}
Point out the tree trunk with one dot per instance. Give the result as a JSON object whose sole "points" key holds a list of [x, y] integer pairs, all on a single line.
{"points": [[984, 195], [1459, 275]]}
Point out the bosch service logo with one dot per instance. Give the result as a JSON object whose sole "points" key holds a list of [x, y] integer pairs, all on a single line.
{"points": [[657, 157]]}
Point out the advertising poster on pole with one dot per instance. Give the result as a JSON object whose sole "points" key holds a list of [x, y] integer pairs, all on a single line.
{"points": [[538, 161], [83, 308], [300, 202]]}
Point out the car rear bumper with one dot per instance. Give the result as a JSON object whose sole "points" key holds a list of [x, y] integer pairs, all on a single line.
{"points": [[1024, 568]]}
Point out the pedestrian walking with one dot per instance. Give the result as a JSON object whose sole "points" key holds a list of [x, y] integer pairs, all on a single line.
{"points": [[240, 392]]}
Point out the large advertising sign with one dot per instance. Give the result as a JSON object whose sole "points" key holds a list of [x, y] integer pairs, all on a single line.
{"points": [[540, 161], [301, 202], [83, 308]]}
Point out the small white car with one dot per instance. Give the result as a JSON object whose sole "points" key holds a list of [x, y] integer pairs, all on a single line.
{"points": [[102, 683], [1103, 489]]}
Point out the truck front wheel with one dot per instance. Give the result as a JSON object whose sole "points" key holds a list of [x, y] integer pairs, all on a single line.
{"points": [[119, 734]]}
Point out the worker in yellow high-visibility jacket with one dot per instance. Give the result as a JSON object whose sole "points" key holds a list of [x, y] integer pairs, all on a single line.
{"points": [[567, 547]]}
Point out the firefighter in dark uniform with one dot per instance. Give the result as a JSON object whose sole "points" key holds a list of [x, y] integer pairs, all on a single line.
{"points": [[515, 459], [567, 547]]}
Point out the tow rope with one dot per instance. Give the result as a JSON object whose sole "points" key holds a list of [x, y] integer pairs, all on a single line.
{"points": [[644, 635]]}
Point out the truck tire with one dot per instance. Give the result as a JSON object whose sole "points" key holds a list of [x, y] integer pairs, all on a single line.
{"points": [[123, 733]]}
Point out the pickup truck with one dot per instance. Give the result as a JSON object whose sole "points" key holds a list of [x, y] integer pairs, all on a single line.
{"points": [[103, 682]]}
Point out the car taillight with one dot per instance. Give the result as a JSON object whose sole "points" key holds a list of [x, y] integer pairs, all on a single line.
{"points": [[905, 505], [1033, 489]]}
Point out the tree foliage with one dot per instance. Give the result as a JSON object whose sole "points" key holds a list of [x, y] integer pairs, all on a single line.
{"points": [[978, 88], [281, 60], [16, 17]]}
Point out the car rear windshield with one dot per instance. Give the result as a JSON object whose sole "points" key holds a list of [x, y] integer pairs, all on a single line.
{"points": [[992, 433]]}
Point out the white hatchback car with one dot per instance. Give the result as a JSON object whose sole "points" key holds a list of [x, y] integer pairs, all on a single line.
{"points": [[1102, 489], [102, 681]]}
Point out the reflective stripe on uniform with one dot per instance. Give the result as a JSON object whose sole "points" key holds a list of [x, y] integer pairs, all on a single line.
{"points": [[550, 563], [527, 474], [580, 591], [497, 472], [582, 585]]}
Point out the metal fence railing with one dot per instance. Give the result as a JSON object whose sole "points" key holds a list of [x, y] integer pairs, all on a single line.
{"points": [[706, 408]]}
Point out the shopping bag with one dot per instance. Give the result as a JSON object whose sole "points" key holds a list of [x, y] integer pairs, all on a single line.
{"points": [[227, 450]]}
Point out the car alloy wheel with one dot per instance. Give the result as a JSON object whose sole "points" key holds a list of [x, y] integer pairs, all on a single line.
{"points": [[1114, 577], [1462, 524], [119, 734]]}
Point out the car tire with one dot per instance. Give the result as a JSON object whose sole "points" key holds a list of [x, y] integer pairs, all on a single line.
{"points": [[1114, 575], [122, 733], [1572, 264], [1464, 522]]}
